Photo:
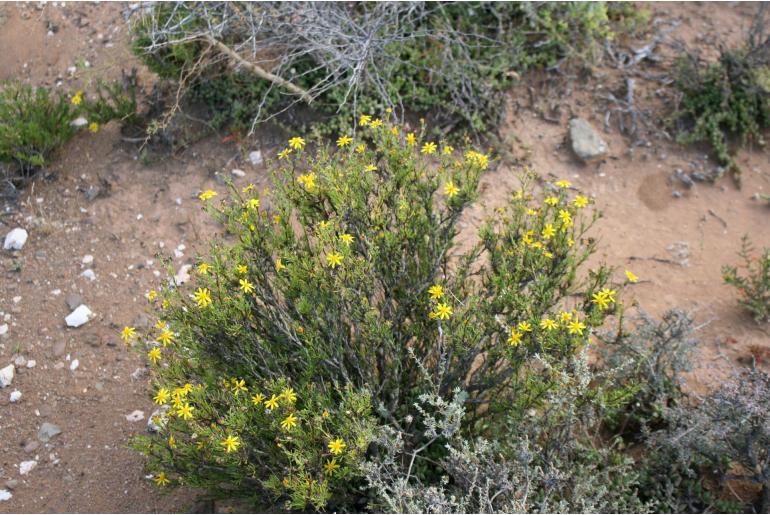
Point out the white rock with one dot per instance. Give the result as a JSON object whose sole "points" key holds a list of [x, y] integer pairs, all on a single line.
{"points": [[135, 416], [89, 274], [238, 173], [17, 299], [74, 365], [56, 292], [3, 329], [20, 361], [15, 239], [183, 275], [31, 363], [88, 259], [80, 121], [80, 316], [255, 157], [26, 466], [158, 419], [5, 495], [15, 396], [178, 253], [6, 375]]}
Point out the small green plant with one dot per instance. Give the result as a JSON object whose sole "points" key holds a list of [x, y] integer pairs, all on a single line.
{"points": [[33, 124], [726, 101], [344, 291], [754, 287]]}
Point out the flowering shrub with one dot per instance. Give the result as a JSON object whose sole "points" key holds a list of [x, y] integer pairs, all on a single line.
{"points": [[344, 299]]}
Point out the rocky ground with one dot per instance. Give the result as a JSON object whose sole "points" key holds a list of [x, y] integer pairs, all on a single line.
{"points": [[104, 228]]}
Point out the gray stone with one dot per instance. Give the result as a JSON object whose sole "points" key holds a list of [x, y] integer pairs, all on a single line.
{"points": [[11, 484], [79, 316], [47, 431], [586, 142], [255, 157]]}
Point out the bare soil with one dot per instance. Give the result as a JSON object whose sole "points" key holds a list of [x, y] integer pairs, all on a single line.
{"points": [[146, 211]]}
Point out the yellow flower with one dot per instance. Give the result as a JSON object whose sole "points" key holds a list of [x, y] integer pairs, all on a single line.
{"points": [[185, 411], [477, 158], [93, 127], [548, 231], [376, 123], [552, 201], [308, 181], [601, 300], [563, 183], [565, 316], [411, 139], [447, 150], [279, 265], [364, 120], [204, 268], [343, 141], [370, 168], [515, 338], [429, 148], [208, 194], [532, 212], [238, 385], [245, 285], [289, 395], [632, 278], [326, 414], [610, 294], [337, 446], [162, 396], [127, 333], [548, 324], [330, 466], [272, 403], [347, 239], [570, 242], [253, 203], [187, 388], [443, 311], [323, 224], [166, 337], [334, 259], [77, 98], [248, 188], [361, 148], [154, 354], [203, 297], [580, 201], [160, 324], [289, 422], [161, 479], [283, 154], [276, 219], [436, 291], [257, 399], [241, 269], [450, 190], [231, 443], [152, 295], [576, 327], [172, 442], [565, 217], [524, 327], [394, 131], [296, 143]]}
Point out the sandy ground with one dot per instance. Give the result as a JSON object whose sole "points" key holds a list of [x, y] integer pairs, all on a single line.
{"points": [[148, 211]]}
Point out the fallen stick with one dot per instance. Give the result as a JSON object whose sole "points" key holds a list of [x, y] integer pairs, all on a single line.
{"points": [[259, 71]]}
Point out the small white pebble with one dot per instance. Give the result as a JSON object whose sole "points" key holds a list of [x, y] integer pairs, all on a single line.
{"points": [[15, 396], [74, 365]]}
